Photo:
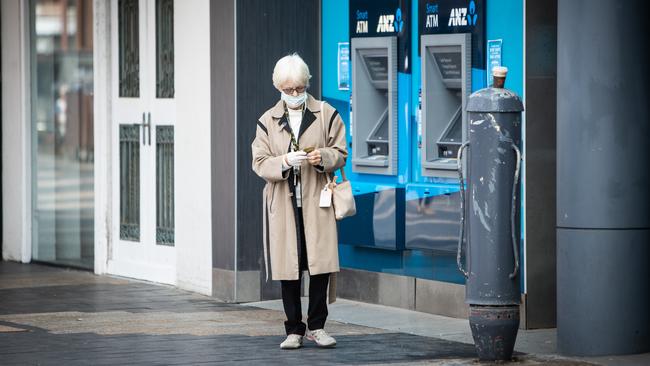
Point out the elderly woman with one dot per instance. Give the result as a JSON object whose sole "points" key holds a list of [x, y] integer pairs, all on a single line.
{"points": [[299, 143]]}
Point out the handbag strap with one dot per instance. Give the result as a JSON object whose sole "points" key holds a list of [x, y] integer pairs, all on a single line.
{"points": [[322, 126], [322, 120], [343, 177]]}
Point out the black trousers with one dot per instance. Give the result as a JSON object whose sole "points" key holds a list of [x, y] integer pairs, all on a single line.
{"points": [[317, 311]]}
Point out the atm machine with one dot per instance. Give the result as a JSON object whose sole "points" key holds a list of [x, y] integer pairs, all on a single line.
{"points": [[380, 44], [374, 97], [446, 85], [450, 34]]}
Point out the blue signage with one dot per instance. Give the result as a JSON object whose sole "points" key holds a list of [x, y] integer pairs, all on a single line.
{"points": [[455, 16], [383, 18], [343, 66], [494, 57]]}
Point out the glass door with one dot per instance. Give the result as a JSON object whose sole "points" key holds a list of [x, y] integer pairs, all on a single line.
{"points": [[61, 42]]}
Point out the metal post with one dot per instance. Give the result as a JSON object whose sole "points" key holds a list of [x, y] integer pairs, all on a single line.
{"points": [[492, 265]]}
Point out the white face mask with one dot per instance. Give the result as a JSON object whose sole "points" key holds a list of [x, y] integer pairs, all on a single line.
{"points": [[294, 102]]}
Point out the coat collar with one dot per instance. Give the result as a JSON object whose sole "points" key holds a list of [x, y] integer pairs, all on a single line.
{"points": [[313, 106]]}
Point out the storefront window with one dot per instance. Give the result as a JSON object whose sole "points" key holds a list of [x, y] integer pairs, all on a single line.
{"points": [[62, 131]]}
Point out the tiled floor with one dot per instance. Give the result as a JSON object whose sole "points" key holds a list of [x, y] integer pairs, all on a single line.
{"points": [[51, 316]]}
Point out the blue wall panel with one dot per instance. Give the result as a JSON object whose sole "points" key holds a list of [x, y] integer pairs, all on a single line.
{"points": [[504, 21], [335, 30]]}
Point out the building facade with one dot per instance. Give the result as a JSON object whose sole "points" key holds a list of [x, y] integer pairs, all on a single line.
{"points": [[99, 176], [126, 131]]}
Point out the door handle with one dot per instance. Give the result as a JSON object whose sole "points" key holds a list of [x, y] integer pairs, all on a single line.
{"points": [[146, 127], [144, 142], [149, 126]]}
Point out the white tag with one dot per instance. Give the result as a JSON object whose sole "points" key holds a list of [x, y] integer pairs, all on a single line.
{"points": [[298, 194], [325, 197]]}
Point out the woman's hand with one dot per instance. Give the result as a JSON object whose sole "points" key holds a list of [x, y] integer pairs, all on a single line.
{"points": [[314, 157], [295, 158]]}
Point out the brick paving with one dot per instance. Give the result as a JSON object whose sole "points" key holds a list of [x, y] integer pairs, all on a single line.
{"points": [[52, 316]]}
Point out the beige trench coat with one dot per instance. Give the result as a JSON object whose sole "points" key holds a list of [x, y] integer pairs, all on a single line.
{"points": [[323, 129]]}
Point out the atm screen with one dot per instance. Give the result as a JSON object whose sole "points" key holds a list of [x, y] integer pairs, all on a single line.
{"points": [[377, 67], [449, 62]]}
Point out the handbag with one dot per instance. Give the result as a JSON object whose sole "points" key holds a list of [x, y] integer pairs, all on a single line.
{"points": [[342, 197]]}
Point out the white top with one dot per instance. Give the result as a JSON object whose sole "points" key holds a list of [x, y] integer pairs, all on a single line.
{"points": [[295, 119]]}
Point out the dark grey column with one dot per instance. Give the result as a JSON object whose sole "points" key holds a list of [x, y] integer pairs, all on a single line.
{"points": [[541, 75], [247, 37], [266, 31], [603, 194]]}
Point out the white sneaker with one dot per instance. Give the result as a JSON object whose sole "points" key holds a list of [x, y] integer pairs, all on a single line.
{"points": [[293, 341], [321, 338]]}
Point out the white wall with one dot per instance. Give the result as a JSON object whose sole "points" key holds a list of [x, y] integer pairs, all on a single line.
{"points": [[102, 117], [16, 184], [192, 145]]}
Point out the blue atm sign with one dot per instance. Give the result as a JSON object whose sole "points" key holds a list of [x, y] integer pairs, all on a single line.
{"points": [[382, 18], [450, 16], [432, 15], [378, 18], [455, 16]]}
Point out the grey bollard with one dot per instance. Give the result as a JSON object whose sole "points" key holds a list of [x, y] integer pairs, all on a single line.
{"points": [[492, 245]]}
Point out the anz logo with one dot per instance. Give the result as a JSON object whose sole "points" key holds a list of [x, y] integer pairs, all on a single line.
{"points": [[463, 16], [390, 23], [472, 17], [457, 17]]}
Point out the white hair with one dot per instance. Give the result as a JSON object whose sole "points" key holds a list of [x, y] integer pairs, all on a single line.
{"points": [[291, 68]]}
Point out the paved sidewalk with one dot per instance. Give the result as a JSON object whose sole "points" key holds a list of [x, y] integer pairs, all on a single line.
{"points": [[539, 344], [51, 316]]}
